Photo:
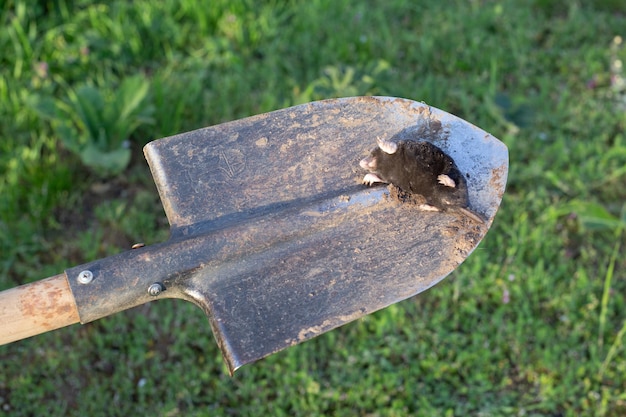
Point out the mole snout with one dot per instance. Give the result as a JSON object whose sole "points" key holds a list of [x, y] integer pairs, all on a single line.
{"points": [[368, 163]]}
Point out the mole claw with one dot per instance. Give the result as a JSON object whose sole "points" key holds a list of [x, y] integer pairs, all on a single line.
{"points": [[370, 179], [445, 180], [427, 207], [387, 146]]}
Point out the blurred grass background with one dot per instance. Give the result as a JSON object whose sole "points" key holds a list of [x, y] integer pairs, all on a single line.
{"points": [[532, 324]]}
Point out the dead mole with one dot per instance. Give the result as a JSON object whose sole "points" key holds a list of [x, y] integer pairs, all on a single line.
{"points": [[419, 167]]}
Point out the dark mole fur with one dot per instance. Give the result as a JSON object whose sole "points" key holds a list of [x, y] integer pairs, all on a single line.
{"points": [[415, 168]]}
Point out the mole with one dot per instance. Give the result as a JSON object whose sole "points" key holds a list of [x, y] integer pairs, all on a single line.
{"points": [[419, 167]]}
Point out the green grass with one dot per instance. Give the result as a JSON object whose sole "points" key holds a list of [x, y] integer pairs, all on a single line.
{"points": [[540, 75]]}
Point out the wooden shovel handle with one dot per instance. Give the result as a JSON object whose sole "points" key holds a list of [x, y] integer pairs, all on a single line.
{"points": [[36, 308]]}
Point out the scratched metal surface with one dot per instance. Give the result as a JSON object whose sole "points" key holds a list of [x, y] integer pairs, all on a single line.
{"points": [[306, 152], [274, 236]]}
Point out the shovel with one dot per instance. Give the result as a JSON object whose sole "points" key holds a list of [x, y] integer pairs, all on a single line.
{"points": [[273, 234]]}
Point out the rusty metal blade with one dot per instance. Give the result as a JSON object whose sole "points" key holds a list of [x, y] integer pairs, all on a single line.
{"points": [[275, 237]]}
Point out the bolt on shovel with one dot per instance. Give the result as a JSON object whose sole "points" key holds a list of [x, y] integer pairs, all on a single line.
{"points": [[273, 234]]}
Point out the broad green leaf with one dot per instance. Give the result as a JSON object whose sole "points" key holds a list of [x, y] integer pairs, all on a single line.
{"points": [[593, 216], [88, 105], [45, 107], [70, 138], [105, 163], [130, 96]]}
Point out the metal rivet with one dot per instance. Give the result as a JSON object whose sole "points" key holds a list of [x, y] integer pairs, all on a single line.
{"points": [[155, 289], [85, 277]]}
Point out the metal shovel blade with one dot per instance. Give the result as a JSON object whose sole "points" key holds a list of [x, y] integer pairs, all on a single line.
{"points": [[275, 237]]}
